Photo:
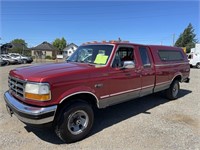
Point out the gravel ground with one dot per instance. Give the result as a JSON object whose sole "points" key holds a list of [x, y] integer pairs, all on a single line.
{"points": [[150, 122]]}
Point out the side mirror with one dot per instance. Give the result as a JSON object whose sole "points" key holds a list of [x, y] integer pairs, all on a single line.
{"points": [[129, 64]]}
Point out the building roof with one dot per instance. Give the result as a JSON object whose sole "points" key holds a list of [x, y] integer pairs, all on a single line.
{"points": [[69, 46], [18, 45], [10, 46], [13, 45], [45, 46]]}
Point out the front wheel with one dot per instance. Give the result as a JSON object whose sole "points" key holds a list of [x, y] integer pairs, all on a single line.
{"points": [[7, 63], [198, 65], [75, 122], [172, 92]]}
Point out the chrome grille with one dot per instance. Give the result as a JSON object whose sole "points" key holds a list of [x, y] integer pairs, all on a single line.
{"points": [[17, 86]]}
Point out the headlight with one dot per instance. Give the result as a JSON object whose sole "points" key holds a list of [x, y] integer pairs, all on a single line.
{"points": [[38, 91]]}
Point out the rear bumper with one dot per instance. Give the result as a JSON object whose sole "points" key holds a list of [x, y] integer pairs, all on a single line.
{"points": [[29, 114]]}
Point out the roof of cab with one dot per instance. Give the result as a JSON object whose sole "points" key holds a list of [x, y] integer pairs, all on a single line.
{"points": [[111, 42], [163, 47]]}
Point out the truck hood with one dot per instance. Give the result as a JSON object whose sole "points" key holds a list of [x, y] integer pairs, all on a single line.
{"points": [[41, 72]]}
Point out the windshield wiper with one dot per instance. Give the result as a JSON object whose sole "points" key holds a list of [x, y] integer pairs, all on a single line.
{"points": [[82, 61], [71, 60]]}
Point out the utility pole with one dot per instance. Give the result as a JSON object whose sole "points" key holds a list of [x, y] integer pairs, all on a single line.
{"points": [[173, 42], [23, 50], [0, 46]]}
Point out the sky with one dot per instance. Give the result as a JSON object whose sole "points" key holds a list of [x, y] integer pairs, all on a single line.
{"points": [[144, 22]]}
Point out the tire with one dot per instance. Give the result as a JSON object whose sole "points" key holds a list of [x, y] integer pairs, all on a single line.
{"points": [[172, 92], [24, 61], [75, 122], [198, 65], [7, 63]]}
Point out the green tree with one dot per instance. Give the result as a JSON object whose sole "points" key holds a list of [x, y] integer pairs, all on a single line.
{"points": [[19, 41], [60, 44], [187, 38]]}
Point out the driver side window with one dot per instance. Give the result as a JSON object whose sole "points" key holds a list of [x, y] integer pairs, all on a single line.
{"points": [[123, 54]]}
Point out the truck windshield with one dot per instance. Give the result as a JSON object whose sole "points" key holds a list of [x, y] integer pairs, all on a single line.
{"points": [[93, 54]]}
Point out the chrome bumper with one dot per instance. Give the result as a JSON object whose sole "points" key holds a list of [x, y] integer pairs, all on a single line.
{"points": [[29, 114]]}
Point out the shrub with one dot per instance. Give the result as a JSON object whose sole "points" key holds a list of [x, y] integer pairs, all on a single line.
{"points": [[48, 57]]}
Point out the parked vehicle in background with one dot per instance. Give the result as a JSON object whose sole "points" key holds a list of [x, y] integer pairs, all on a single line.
{"points": [[96, 75], [9, 60], [2, 62], [19, 61], [194, 59], [24, 59], [194, 56]]}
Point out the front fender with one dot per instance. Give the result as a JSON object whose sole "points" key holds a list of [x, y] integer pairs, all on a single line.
{"points": [[76, 91]]}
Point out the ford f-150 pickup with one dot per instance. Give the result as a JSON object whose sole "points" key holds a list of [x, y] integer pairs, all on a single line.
{"points": [[96, 75]]}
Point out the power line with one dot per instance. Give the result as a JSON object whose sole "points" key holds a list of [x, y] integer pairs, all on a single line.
{"points": [[67, 5], [63, 6], [89, 19], [88, 13]]}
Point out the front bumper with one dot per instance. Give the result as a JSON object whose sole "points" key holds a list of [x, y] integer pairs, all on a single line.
{"points": [[29, 114]]}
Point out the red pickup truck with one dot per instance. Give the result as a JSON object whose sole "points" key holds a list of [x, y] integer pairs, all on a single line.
{"points": [[97, 75]]}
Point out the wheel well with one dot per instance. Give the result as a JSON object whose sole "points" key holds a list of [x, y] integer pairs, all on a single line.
{"points": [[179, 78], [84, 97]]}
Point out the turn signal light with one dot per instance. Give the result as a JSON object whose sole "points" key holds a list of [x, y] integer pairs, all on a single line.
{"points": [[42, 97]]}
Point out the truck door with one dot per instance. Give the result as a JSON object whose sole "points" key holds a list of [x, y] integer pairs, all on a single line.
{"points": [[124, 84], [147, 71]]}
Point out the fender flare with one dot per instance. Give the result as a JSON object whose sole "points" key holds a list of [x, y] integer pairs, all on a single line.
{"points": [[176, 75], [78, 90]]}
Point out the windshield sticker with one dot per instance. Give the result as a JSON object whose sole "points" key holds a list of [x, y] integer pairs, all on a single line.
{"points": [[101, 59]]}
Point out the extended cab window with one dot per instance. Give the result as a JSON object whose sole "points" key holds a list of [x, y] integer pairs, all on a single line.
{"points": [[123, 54], [170, 55], [145, 56]]}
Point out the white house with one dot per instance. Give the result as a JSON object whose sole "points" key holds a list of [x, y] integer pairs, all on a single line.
{"points": [[69, 50]]}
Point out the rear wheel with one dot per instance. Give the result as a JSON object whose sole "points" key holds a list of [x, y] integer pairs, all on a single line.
{"points": [[198, 65], [75, 122], [172, 92]]}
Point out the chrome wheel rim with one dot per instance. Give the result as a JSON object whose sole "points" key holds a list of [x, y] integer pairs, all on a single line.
{"points": [[78, 122], [175, 90]]}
